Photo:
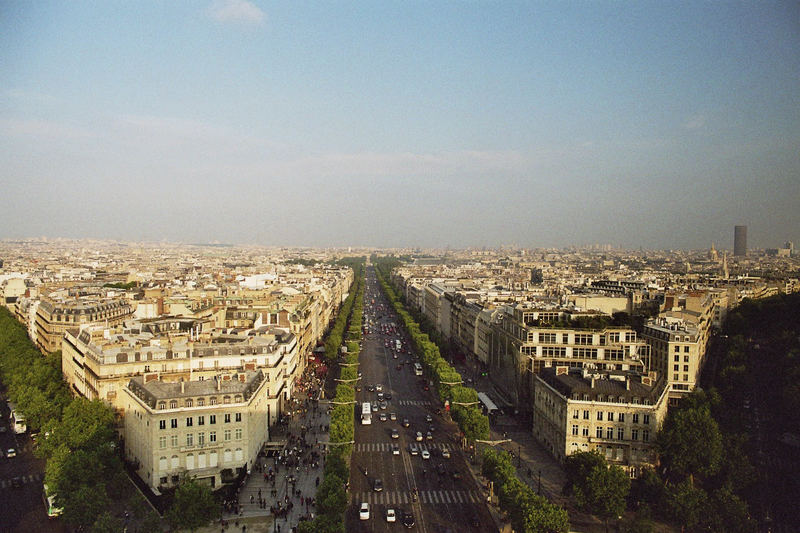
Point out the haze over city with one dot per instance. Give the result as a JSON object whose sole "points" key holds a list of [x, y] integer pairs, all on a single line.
{"points": [[401, 124]]}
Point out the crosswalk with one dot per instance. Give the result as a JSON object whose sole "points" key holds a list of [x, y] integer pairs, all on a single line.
{"points": [[32, 478], [426, 497], [373, 447], [423, 403]]}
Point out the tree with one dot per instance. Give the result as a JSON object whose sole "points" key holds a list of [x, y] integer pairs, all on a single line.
{"points": [[193, 506], [579, 465], [687, 504], [690, 442], [83, 505], [605, 490], [107, 523]]}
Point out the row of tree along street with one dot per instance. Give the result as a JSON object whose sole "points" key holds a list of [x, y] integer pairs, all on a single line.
{"points": [[331, 496], [76, 436]]}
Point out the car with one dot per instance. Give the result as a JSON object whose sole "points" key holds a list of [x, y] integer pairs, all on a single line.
{"points": [[382, 417], [446, 453], [426, 454], [371, 388], [2, 429], [412, 449], [418, 438], [391, 516], [406, 423], [408, 520], [392, 416], [440, 469], [429, 435], [380, 396], [474, 521], [428, 419], [426, 387], [11, 453], [16, 482], [431, 428], [377, 485], [456, 475], [394, 355], [384, 405], [358, 388], [374, 406], [387, 396], [395, 449], [395, 433], [363, 512], [399, 367], [379, 387]]}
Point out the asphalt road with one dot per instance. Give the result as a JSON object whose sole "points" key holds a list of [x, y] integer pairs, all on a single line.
{"points": [[444, 502], [22, 508]]}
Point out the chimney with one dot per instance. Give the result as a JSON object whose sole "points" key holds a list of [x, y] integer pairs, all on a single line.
{"points": [[183, 387], [592, 380], [627, 383], [219, 383]]}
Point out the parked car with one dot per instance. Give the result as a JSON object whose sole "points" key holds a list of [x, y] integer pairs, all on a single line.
{"points": [[11, 453], [390, 515], [395, 449], [363, 513], [408, 520], [395, 433], [426, 454], [419, 436], [377, 485]]}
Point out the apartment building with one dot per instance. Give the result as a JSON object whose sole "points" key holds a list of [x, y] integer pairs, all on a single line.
{"points": [[98, 362], [527, 339], [55, 316], [616, 413], [210, 429]]}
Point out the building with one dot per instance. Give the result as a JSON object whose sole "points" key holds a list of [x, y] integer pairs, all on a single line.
{"points": [[210, 430], [615, 413], [740, 241], [97, 363], [55, 316]]}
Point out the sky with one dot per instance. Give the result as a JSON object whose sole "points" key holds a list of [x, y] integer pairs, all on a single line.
{"points": [[396, 124]]}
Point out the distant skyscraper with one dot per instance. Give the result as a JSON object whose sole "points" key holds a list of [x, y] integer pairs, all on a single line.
{"points": [[739, 241]]}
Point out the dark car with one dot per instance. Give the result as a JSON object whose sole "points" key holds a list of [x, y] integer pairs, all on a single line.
{"points": [[377, 486], [16, 482], [408, 520]]}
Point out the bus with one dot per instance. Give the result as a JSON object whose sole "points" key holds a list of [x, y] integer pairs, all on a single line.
{"points": [[366, 414], [489, 407], [17, 420], [50, 503], [417, 369]]}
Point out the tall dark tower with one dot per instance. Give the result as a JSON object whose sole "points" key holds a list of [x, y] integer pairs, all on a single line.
{"points": [[740, 241]]}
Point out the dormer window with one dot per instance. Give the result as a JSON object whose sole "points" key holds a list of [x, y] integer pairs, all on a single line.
{"points": [[173, 404], [189, 403], [162, 405]]}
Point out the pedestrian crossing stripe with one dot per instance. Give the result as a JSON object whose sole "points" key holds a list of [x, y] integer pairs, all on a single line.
{"points": [[427, 497], [387, 446], [423, 403], [24, 479]]}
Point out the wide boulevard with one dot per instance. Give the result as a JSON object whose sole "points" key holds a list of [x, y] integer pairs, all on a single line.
{"points": [[439, 492]]}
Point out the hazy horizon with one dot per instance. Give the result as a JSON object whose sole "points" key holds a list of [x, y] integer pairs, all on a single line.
{"points": [[635, 124]]}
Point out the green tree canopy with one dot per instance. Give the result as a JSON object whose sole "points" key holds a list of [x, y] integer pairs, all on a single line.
{"points": [[193, 506]]}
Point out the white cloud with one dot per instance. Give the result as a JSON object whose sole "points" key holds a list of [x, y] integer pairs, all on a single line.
{"points": [[695, 122], [236, 11]]}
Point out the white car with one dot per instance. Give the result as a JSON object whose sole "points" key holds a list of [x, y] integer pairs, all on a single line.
{"points": [[426, 454], [390, 515], [11, 453], [419, 436], [378, 388], [363, 513], [446, 453]]}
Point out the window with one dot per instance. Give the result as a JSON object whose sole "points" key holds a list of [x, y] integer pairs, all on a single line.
{"points": [[646, 435], [676, 367], [609, 433], [227, 417], [685, 358], [238, 434], [212, 436], [600, 415], [646, 419], [635, 418], [585, 431], [677, 358], [610, 416], [189, 403], [162, 405], [212, 419], [162, 442], [634, 434], [162, 463], [173, 441], [574, 429], [162, 424], [201, 420], [227, 434], [173, 423], [213, 401], [686, 349], [686, 377], [576, 413], [238, 417], [175, 461], [620, 433], [586, 415], [677, 348], [599, 433], [621, 417], [201, 439], [189, 439], [227, 456], [173, 404], [239, 454], [188, 421], [201, 402]]}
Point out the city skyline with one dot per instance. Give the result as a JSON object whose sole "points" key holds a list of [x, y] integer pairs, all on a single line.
{"points": [[542, 125]]}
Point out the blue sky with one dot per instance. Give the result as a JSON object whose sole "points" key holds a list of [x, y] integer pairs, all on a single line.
{"points": [[652, 124]]}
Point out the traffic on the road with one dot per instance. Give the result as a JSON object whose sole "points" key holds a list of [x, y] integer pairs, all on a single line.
{"points": [[408, 470]]}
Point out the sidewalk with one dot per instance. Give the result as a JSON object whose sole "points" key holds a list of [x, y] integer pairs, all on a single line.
{"points": [[278, 492]]}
